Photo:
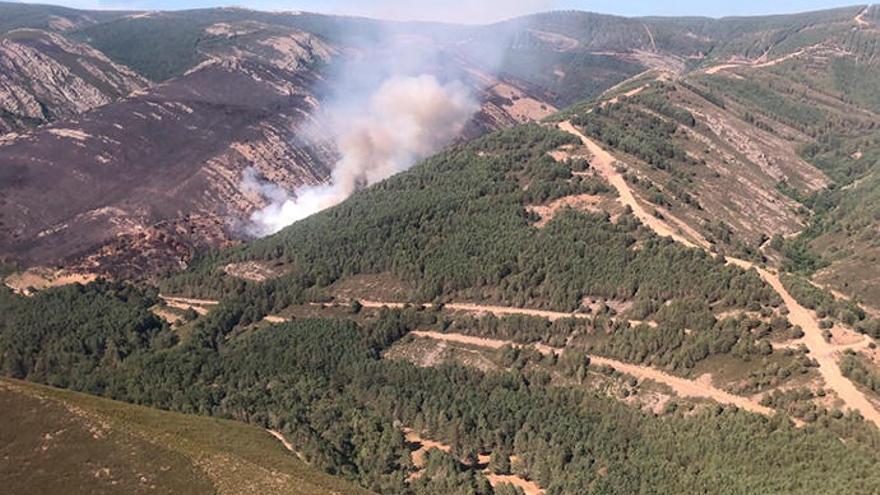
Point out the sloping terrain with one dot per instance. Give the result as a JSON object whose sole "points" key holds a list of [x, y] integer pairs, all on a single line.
{"points": [[16, 15], [237, 86], [60, 441], [628, 296], [819, 90], [45, 77], [137, 185], [145, 180], [337, 378]]}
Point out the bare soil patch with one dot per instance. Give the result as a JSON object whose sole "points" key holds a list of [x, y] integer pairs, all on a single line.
{"points": [[41, 278], [167, 315], [380, 286], [860, 19], [582, 202], [200, 306], [251, 270], [422, 445]]}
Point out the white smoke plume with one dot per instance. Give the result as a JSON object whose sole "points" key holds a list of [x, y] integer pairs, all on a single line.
{"points": [[407, 119]]}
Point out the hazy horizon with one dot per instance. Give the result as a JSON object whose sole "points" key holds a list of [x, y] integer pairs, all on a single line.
{"points": [[471, 13]]}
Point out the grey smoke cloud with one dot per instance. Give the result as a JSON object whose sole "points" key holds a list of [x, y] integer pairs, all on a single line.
{"points": [[408, 118], [396, 100]]}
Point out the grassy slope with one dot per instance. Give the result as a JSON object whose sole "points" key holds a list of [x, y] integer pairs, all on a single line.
{"points": [[56, 440]]}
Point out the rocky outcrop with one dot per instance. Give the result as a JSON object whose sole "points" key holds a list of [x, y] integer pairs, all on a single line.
{"points": [[44, 77], [137, 185]]}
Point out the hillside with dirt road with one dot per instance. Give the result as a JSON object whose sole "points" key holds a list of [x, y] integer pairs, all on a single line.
{"points": [[557, 254], [174, 111]]}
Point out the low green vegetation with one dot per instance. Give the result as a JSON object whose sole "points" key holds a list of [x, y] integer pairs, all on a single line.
{"points": [[826, 305], [686, 335], [858, 81], [856, 368], [800, 404], [15, 15], [158, 47], [456, 227], [798, 256], [771, 98], [626, 128], [58, 441], [66, 333], [663, 106]]}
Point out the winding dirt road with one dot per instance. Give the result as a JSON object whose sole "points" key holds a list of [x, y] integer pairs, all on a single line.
{"points": [[200, 306], [603, 162], [286, 443], [483, 309], [825, 353], [700, 388], [860, 19], [759, 63], [191, 301], [424, 445]]}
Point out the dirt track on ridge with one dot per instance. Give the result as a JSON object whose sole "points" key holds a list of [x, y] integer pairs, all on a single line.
{"points": [[418, 459], [826, 354], [860, 19], [499, 311], [603, 162], [700, 388], [185, 303]]}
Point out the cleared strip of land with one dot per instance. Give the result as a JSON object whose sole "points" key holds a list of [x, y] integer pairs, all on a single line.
{"points": [[700, 388]]}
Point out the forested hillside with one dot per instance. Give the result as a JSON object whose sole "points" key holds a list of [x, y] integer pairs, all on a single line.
{"points": [[458, 227], [667, 286], [320, 383]]}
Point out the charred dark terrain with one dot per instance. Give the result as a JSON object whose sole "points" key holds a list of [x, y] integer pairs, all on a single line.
{"points": [[644, 262], [169, 109]]}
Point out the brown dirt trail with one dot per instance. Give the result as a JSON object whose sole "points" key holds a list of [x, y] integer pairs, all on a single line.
{"points": [[700, 388], [482, 308], [200, 306], [860, 19], [424, 444], [603, 162], [825, 353]]}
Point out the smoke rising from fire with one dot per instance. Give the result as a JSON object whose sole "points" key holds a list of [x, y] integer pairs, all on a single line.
{"points": [[406, 119], [398, 93]]}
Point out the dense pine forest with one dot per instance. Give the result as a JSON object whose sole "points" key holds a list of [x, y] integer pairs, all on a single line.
{"points": [[457, 226], [322, 383]]}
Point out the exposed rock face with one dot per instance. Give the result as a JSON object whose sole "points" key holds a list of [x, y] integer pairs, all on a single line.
{"points": [[146, 180], [44, 77], [127, 177], [136, 186]]}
